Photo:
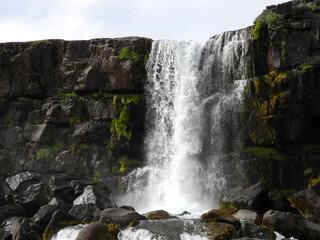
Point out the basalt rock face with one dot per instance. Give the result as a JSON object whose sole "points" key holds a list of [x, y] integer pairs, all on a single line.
{"points": [[281, 110], [72, 107]]}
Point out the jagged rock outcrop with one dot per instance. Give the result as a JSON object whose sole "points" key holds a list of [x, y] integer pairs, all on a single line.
{"points": [[281, 107]]}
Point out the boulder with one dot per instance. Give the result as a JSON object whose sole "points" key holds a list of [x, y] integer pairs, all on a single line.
{"points": [[157, 215], [66, 193], [120, 216], [252, 230], [221, 230], [307, 201], [98, 231], [24, 229], [59, 220], [278, 201], [44, 214], [60, 203], [248, 216], [253, 198], [11, 210], [290, 224], [88, 206], [219, 215]]}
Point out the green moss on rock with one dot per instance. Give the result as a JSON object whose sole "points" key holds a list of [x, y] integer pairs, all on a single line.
{"points": [[127, 54]]}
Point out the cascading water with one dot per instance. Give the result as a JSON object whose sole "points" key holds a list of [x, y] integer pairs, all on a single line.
{"points": [[192, 121]]}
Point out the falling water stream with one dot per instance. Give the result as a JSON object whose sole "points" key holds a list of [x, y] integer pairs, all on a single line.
{"points": [[193, 96]]}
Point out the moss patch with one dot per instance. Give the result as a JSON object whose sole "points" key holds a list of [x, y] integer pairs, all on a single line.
{"points": [[127, 54]]}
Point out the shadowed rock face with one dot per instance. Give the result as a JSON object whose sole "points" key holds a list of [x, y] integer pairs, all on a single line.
{"points": [[72, 106]]}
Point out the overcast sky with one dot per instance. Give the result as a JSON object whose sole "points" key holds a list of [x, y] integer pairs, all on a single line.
{"points": [[27, 20]]}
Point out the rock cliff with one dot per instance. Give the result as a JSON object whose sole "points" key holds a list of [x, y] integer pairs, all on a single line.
{"points": [[281, 112], [72, 107]]}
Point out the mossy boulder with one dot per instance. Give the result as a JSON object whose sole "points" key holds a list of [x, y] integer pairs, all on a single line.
{"points": [[222, 216], [157, 215], [220, 231], [98, 231], [307, 202]]}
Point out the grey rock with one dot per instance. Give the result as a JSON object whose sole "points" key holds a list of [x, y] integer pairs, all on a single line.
{"points": [[89, 205], [11, 210], [40, 133], [307, 201], [59, 220], [252, 230], [289, 224], [60, 203], [253, 198], [44, 214], [249, 216]]}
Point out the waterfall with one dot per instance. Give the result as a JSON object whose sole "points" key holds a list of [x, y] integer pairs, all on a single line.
{"points": [[193, 95]]}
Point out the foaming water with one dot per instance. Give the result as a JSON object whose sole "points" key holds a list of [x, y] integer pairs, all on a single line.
{"points": [[193, 94], [68, 233]]}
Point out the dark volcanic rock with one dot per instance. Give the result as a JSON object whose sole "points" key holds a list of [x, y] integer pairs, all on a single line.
{"points": [[289, 224], [89, 205], [44, 214], [252, 198], [120, 216], [11, 210], [4, 235]]}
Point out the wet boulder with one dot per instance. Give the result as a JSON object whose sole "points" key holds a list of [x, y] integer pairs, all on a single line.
{"points": [[98, 231], [24, 229], [290, 224], [248, 216], [253, 198], [26, 188], [307, 201], [44, 214], [59, 220], [120, 216], [88, 206]]}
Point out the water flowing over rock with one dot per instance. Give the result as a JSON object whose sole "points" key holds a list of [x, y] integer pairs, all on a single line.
{"points": [[193, 106]]}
